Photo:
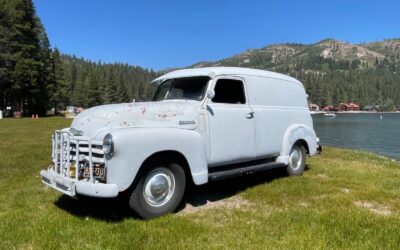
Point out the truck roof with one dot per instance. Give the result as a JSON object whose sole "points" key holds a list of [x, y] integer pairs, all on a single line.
{"points": [[217, 71]]}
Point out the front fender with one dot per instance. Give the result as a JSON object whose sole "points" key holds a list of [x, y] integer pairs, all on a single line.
{"points": [[133, 146], [292, 135]]}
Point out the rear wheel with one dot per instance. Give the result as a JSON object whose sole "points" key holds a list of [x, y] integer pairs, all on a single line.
{"points": [[159, 190], [297, 160]]}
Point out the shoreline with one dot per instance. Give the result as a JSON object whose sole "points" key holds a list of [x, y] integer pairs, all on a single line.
{"points": [[356, 112], [356, 150]]}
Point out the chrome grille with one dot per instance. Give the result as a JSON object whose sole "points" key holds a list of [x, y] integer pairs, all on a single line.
{"points": [[69, 151]]}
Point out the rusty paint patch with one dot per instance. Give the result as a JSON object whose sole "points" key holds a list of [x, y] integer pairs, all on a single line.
{"points": [[143, 109]]}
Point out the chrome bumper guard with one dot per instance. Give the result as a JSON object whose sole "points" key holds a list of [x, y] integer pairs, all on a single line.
{"points": [[73, 187], [59, 177]]}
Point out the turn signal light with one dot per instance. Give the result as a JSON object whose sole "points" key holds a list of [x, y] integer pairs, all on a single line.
{"points": [[72, 170]]}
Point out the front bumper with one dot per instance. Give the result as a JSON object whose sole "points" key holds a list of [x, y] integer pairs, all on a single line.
{"points": [[72, 187]]}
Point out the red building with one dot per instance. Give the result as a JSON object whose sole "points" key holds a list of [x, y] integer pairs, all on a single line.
{"points": [[348, 107], [329, 108]]}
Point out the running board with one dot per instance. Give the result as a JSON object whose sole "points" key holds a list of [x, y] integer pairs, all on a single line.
{"points": [[224, 174]]}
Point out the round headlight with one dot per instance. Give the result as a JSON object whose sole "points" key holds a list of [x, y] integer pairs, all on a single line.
{"points": [[108, 144]]}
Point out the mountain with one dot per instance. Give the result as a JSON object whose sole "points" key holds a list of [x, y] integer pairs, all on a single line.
{"points": [[278, 54], [332, 71]]}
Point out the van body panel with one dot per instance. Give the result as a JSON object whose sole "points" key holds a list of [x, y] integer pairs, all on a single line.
{"points": [[265, 126]]}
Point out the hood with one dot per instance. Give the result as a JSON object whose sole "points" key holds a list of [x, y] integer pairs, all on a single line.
{"points": [[136, 115]]}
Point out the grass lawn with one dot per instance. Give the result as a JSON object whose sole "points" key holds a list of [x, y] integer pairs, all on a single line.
{"points": [[345, 199]]}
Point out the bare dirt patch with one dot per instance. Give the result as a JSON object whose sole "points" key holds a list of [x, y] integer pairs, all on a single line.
{"points": [[345, 190], [234, 202], [374, 207], [322, 176], [303, 204]]}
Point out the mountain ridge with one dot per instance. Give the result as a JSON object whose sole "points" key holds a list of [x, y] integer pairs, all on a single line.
{"points": [[367, 51], [331, 70]]}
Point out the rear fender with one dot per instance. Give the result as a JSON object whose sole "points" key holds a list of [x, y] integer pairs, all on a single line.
{"points": [[293, 134]]}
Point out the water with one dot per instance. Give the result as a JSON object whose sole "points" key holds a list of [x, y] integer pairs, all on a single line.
{"points": [[368, 132]]}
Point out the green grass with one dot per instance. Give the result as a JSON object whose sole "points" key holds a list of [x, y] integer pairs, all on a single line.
{"points": [[345, 199]]}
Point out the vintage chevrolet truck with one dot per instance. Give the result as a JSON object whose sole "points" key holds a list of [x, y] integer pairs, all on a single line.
{"points": [[202, 124]]}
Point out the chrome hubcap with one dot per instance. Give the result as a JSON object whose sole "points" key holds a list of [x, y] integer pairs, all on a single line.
{"points": [[295, 158], [159, 187]]}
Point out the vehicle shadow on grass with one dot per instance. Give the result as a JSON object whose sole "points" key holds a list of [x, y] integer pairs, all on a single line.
{"points": [[116, 209], [214, 191], [110, 210]]}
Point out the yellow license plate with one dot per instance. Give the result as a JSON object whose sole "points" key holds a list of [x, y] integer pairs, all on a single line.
{"points": [[98, 171]]}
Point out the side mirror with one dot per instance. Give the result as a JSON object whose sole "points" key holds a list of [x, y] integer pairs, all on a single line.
{"points": [[210, 94]]}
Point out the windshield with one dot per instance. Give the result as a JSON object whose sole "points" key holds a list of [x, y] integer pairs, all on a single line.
{"points": [[192, 88]]}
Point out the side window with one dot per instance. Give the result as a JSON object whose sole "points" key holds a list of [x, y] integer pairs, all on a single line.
{"points": [[229, 91]]}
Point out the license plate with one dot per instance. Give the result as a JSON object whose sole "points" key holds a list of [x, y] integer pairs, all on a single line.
{"points": [[98, 171]]}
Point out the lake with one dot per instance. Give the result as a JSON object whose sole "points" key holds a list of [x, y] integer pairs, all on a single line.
{"points": [[366, 132]]}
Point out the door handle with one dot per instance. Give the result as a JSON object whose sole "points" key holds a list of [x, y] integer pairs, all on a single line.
{"points": [[250, 115]]}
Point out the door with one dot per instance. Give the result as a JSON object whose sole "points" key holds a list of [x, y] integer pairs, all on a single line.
{"points": [[231, 123]]}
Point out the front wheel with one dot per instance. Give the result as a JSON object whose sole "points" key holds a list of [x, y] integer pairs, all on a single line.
{"points": [[297, 160], [159, 190]]}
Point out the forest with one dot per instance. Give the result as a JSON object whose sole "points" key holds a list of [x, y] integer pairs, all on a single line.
{"points": [[36, 77]]}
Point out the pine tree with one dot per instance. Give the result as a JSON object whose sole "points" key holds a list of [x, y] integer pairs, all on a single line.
{"points": [[45, 57], [58, 88], [93, 90], [6, 64], [22, 57]]}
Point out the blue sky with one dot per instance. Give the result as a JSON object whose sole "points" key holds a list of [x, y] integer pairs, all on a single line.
{"points": [[160, 34]]}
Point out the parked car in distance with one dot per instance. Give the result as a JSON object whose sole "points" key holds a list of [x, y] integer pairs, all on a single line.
{"points": [[203, 124]]}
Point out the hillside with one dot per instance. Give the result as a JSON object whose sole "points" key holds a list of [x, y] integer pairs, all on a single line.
{"points": [[332, 71], [389, 48]]}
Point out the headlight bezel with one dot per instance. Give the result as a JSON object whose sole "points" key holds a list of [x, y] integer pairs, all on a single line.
{"points": [[108, 144]]}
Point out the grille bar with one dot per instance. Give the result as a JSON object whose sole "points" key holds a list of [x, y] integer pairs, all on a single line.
{"points": [[77, 165], [68, 156], [61, 153], [90, 162]]}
